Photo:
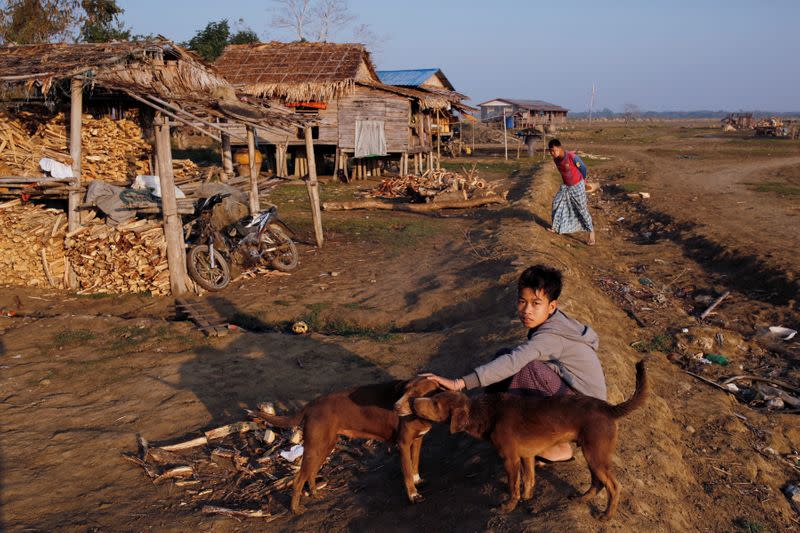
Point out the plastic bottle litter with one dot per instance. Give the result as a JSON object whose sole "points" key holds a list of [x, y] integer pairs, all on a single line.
{"points": [[716, 358]]}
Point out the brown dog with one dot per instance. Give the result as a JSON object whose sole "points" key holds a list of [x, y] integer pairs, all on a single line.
{"points": [[364, 412], [520, 428]]}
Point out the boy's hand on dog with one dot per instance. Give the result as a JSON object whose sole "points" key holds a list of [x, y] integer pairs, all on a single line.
{"points": [[449, 384]]}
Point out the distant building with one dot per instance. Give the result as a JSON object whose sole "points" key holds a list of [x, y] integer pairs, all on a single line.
{"points": [[523, 113]]}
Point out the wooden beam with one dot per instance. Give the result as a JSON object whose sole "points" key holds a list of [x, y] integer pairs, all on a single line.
{"points": [[75, 115], [313, 188], [173, 229], [251, 154]]}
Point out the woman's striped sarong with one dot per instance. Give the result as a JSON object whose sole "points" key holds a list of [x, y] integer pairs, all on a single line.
{"points": [[570, 210]]}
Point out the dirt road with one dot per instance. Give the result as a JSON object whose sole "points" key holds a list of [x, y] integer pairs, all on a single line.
{"points": [[392, 294]]}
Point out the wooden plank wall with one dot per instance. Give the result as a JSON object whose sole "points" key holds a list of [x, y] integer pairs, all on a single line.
{"points": [[370, 104]]}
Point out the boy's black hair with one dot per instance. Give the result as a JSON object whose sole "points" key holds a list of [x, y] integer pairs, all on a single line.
{"points": [[553, 142], [543, 277]]}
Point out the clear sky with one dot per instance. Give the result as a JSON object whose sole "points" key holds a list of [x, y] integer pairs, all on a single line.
{"points": [[660, 55]]}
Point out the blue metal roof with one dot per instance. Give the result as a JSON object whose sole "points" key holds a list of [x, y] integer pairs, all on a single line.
{"points": [[406, 78]]}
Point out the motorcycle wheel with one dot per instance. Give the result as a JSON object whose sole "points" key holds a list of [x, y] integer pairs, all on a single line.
{"points": [[285, 258], [199, 265]]}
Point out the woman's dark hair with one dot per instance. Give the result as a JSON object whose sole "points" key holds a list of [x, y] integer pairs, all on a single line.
{"points": [[553, 142], [541, 277]]}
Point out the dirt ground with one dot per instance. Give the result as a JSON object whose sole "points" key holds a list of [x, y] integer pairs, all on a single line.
{"points": [[392, 294]]}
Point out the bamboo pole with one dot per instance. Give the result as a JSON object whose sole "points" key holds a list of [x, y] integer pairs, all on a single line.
{"points": [[75, 115], [173, 229], [251, 154], [313, 188]]}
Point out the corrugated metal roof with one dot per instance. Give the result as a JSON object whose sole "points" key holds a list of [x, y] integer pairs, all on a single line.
{"points": [[537, 105], [406, 78]]}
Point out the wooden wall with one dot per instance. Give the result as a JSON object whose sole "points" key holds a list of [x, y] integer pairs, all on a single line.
{"points": [[370, 104], [338, 121]]}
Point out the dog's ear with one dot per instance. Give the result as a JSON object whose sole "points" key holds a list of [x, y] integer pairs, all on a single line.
{"points": [[459, 416]]}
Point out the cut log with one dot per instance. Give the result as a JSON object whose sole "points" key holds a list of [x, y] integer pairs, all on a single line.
{"points": [[414, 208]]}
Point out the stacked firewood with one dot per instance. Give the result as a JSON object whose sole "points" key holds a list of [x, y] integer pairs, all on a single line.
{"points": [[433, 184], [235, 469], [31, 245], [112, 150], [130, 257], [37, 251]]}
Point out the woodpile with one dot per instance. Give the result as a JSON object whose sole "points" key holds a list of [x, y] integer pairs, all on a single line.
{"points": [[235, 470], [130, 257], [36, 251], [112, 150], [436, 183], [31, 245]]}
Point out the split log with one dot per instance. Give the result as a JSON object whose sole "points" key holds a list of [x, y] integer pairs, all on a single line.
{"points": [[199, 441], [178, 471], [414, 208], [236, 427]]}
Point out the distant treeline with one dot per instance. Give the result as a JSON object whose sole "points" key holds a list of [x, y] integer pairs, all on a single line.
{"points": [[607, 113]]}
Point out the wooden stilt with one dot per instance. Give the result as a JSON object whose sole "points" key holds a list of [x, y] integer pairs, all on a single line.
{"points": [[227, 157], [313, 188], [336, 164], [251, 153], [173, 229], [75, 115]]}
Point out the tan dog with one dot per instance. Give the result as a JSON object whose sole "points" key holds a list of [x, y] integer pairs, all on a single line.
{"points": [[520, 428], [366, 412]]}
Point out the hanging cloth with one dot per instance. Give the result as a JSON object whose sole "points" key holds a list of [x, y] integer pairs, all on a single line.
{"points": [[370, 138]]}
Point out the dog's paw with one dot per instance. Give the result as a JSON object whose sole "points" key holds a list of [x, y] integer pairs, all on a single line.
{"points": [[605, 517], [416, 498]]}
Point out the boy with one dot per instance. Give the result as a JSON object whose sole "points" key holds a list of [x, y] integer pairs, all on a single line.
{"points": [[559, 358], [570, 212]]}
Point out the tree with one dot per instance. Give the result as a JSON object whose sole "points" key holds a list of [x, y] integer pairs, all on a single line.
{"points": [[317, 20], [328, 16], [102, 23], [292, 15], [211, 40], [631, 112], [244, 37], [38, 21]]}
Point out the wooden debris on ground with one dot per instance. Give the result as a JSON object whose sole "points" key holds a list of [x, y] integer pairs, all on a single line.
{"points": [[433, 184], [235, 470]]}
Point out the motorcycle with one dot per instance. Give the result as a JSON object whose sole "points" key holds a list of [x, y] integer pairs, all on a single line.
{"points": [[252, 241]]}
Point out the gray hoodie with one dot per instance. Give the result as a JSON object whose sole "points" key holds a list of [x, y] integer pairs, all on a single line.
{"points": [[561, 342]]}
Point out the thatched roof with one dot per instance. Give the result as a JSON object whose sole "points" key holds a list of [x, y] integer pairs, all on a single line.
{"points": [[158, 67], [300, 71], [155, 69]]}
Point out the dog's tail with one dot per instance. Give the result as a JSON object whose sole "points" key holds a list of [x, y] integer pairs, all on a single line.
{"points": [[282, 421], [638, 398]]}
